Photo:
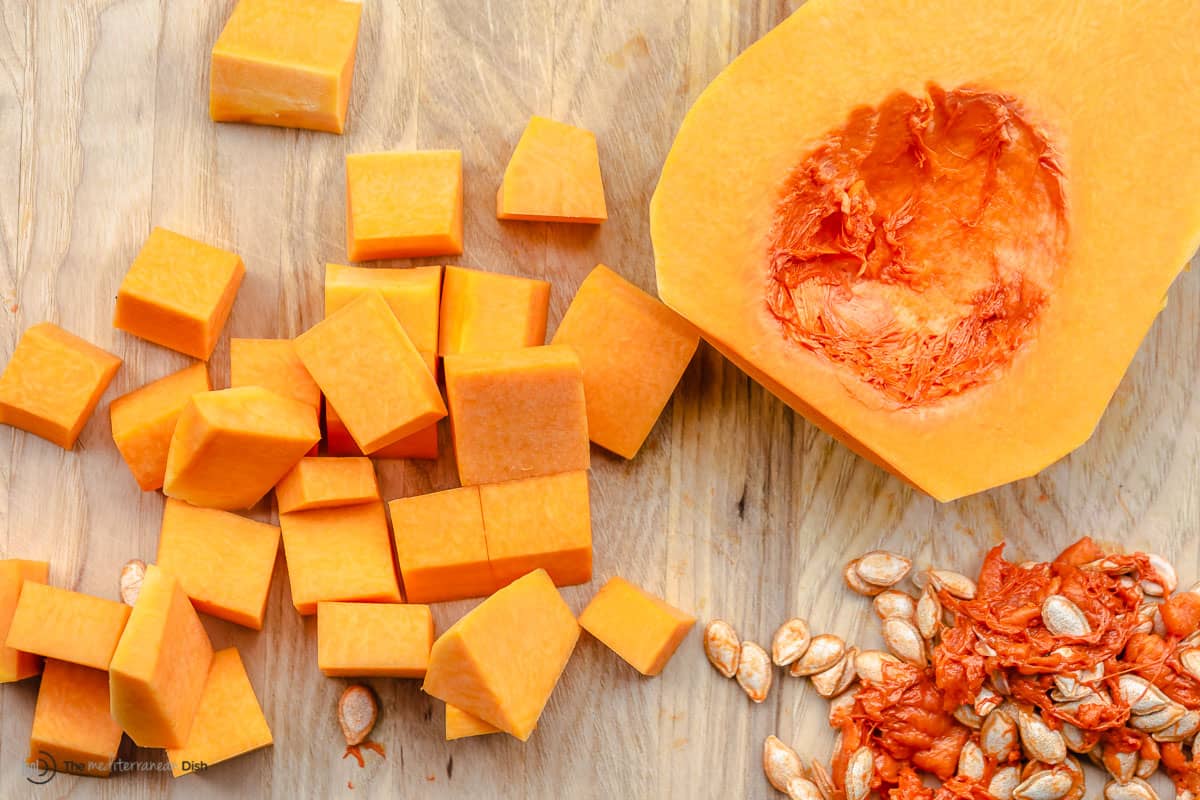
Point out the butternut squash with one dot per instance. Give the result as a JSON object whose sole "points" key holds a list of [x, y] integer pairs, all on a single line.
{"points": [[16, 665], [460, 724], [327, 483], [404, 205], [143, 422], [919, 233], [488, 311], [70, 626], [553, 176], [636, 625], [441, 546], [374, 639], [272, 364], [73, 730]]}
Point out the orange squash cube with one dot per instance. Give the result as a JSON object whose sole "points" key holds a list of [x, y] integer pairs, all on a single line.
{"points": [[72, 728], [633, 350], [460, 724], [553, 176], [339, 554], [272, 364], [158, 671], [229, 721], [404, 205], [636, 625], [370, 371], [517, 414], [16, 665], [441, 547], [542, 522], [327, 483], [487, 311], [232, 446], [53, 382], [502, 660], [374, 639], [69, 626], [223, 562], [413, 293], [178, 293], [338, 441], [143, 422], [288, 63]]}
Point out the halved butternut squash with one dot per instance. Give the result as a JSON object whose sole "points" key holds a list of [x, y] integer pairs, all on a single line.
{"points": [[940, 232]]}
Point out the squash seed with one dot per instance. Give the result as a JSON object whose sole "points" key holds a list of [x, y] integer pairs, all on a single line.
{"points": [[822, 779], [1077, 741], [1135, 789], [971, 763], [790, 642], [823, 652], [1140, 695], [881, 568], [966, 716], [894, 603], [1048, 784], [986, 701], [998, 737], [929, 613], [803, 789], [1146, 767], [953, 583], [904, 641], [1122, 766], [722, 646], [840, 708], [357, 711], [1063, 618], [1181, 729], [781, 763], [1190, 660], [869, 664], [132, 575], [1041, 742], [857, 584], [754, 671], [1159, 720], [1165, 579], [860, 772], [827, 681], [1003, 782]]}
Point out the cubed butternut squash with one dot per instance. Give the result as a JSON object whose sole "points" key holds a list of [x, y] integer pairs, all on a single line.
{"points": [[69, 626], [338, 442], [143, 422], [157, 674], [633, 351], [542, 522], [404, 205], [229, 721], [374, 639], [285, 62], [327, 483], [517, 414], [339, 554], [272, 364], [223, 562], [441, 547], [636, 625], [53, 382], [178, 293], [553, 176], [73, 730], [460, 724], [413, 294], [487, 311], [502, 660], [232, 446], [16, 665]]}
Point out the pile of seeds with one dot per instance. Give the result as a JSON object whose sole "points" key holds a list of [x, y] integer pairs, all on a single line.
{"points": [[994, 686]]}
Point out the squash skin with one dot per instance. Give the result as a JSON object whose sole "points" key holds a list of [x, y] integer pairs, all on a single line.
{"points": [[711, 227]]}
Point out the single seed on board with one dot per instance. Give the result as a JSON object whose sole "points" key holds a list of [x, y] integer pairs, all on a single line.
{"points": [[1041, 742], [754, 671], [790, 642], [860, 772], [952, 583], [998, 738], [1044, 785], [132, 575], [929, 613], [781, 763], [722, 646], [971, 763], [857, 584], [823, 652], [894, 603], [904, 641], [1139, 694], [1063, 618], [1003, 781], [823, 780], [881, 568], [1190, 660], [357, 712], [803, 789], [1135, 789], [869, 664]]}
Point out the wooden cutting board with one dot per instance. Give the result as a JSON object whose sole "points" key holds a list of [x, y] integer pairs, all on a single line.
{"points": [[736, 508]]}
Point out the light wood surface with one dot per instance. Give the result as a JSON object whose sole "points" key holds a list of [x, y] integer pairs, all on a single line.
{"points": [[736, 508]]}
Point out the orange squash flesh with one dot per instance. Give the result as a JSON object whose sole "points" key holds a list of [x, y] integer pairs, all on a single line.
{"points": [[285, 62], [487, 311], [158, 672], [460, 724], [178, 293], [441, 546], [16, 665], [53, 382], [517, 414], [327, 483], [553, 176], [527, 622], [413, 293], [229, 721], [143, 422], [69, 626], [970, 321], [636, 625], [232, 446], [338, 442], [272, 364], [633, 351], [374, 639], [404, 205], [223, 562], [73, 730]]}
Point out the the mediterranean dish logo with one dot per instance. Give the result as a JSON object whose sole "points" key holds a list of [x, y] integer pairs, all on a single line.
{"points": [[45, 766]]}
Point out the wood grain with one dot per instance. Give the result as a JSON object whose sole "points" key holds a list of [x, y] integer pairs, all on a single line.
{"points": [[737, 507]]}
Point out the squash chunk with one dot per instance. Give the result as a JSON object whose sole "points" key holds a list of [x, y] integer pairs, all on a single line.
{"points": [[374, 639], [229, 721], [16, 665], [158, 672], [403, 205], [460, 724], [488, 311], [327, 483], [339, 554], [224, 562], [143, 422], [338, 441], [288, 63], [272, 364], [553, 176], [633, 351], [232, 446], [413, 294], [441, 547], [53, 382], [178, 293], [72, 728], [503, 659], [517, 414], [636, 625], [539, 522], [69, 626], [370, 371]]}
